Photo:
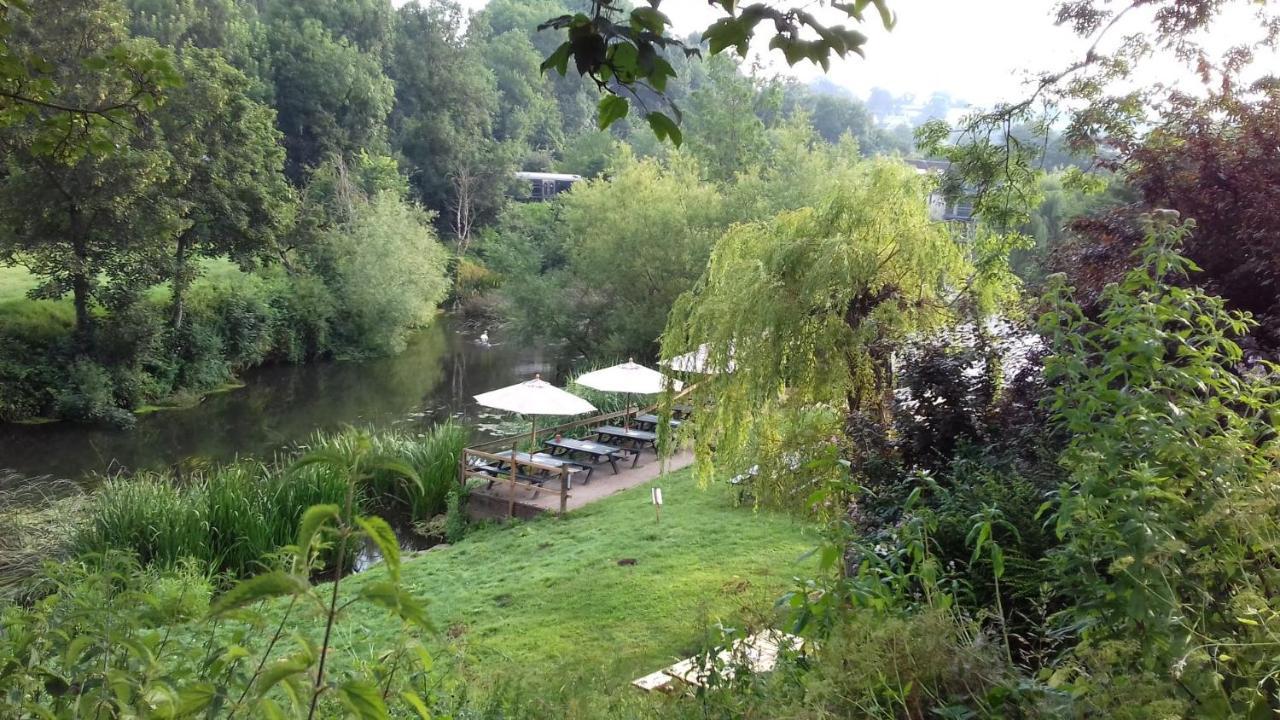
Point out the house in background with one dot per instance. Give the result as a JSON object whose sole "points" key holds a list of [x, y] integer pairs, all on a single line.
{"points": [[544, 186], [940, 208]]}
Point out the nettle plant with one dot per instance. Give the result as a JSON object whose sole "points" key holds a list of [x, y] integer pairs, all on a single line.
{"points": [[113, 639], [1170, 515]]}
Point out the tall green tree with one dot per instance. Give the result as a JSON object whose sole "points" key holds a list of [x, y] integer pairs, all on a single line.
{"points": [[232, 27], [507, 31], [226, 171], [725, 128], [88, 223], [631, 245], [331, 95], [61, 118], [808, 307], [443, 122]]}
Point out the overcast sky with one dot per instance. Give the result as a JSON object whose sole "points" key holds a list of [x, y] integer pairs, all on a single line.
{"points": [[978, 50]]}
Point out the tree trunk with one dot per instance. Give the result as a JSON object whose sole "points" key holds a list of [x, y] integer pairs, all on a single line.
{"points": [[84, 320], [80, 287], [179, 283]]}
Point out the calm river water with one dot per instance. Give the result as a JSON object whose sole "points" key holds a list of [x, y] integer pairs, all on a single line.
{"points": [[431, 381]]}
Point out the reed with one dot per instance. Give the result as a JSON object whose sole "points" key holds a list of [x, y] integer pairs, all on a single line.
{"points": [[435, 458], [232, 518], [241, 523], [149, 516]]}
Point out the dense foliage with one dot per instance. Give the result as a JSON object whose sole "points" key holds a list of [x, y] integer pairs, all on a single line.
{"points": [[102, 643], [1054, 507]]}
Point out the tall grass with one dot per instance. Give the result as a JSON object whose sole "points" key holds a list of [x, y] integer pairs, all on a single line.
{"points": [[150, 516], [435, 458], [37, 519], [232, 518]]}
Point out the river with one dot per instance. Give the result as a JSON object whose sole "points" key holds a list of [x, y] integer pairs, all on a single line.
{"points": [[433, 380]]}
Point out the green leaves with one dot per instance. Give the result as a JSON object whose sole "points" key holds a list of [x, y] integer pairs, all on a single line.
{"points": [[558, 60], [261, 587], [611, 109], [363, 700], [377, 530], [650, 19], [391, 596], [626, 53], [285, 668], [312, 521], [665, 128], [1165, 446], [728, 33]]}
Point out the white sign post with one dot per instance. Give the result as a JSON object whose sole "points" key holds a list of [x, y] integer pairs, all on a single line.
{"points": [[656, 493]]}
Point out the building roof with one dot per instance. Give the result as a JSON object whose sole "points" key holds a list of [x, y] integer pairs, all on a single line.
{"points": [[525, 175]]}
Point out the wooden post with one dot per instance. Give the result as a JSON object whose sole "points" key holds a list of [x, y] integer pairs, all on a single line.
{"points": [[564, 488], [511, 502], [462, 469]]}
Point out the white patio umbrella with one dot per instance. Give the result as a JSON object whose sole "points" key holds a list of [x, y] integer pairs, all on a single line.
{"points": [[697, 362], [535, 397], [630, 378]]}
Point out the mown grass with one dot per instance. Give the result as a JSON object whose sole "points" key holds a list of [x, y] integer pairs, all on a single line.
{"points": [[15, 281], [547, 604]]}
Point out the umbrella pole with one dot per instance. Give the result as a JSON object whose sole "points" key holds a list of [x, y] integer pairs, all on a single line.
{"points": [[533, 436]]}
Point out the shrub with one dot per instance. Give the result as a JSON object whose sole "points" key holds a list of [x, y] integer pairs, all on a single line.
{"points": [[1170, 513], [305, 310], [389, 274], [89, 396], [35, 337], [238, 310]]}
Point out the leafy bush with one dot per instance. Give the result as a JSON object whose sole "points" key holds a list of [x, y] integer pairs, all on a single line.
{"points": [[89, 395], [1170, 512], [105, 641], [306, 314], [239, 310], [34, 337], [389, 274]]}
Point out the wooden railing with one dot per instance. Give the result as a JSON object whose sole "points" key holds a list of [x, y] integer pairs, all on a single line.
{"points": [[556, 477]]}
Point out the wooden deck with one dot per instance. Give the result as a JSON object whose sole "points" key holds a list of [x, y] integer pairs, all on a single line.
{"points": [[495, 502], [539, 484]]}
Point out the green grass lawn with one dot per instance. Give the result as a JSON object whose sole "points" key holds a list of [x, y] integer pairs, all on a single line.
{"points": [[15, 281], [547, 604]]}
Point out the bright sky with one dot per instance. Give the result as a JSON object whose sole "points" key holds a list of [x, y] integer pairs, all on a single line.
{"points": [[977, 51]]}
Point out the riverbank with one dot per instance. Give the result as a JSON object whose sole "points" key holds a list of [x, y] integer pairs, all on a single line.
{"points": [[431, 381]]}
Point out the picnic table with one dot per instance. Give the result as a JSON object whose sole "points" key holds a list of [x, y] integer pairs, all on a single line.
{"points": [[682, 411], [546, 461], [599, 452], [637, 438], [649, 421]]}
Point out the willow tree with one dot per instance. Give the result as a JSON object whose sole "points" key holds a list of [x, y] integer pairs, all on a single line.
{"points": [[807, 309]]}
